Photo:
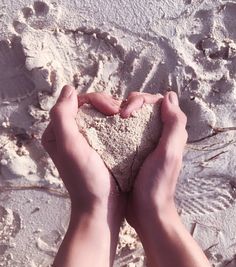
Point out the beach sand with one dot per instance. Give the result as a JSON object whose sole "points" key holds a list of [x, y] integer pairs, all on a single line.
{"points": [[116, 47], [123, 144]]}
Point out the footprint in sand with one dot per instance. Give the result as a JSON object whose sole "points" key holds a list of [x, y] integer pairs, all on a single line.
{"points": [[204, 194], [38, 16], [220, 42], [90, 59], [87, 57], [210, 41], [17, 81]]}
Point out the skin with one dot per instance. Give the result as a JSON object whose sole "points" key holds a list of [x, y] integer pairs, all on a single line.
{"points": [[96, 211], [98, 208], [150, 208]]}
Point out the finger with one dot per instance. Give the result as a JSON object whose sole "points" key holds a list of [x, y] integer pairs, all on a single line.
{"points": [[174, 135], [133, 103], [104, 103], [136, 100], [66, 92], [63, 116]]}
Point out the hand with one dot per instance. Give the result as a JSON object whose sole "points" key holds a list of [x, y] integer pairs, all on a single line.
{"points": [[83, 172], [97, 208], [151, 209], [156, 181]]}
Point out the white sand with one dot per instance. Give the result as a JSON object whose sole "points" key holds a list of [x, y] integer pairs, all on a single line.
{"points": [[116, 47], [123, 144]]}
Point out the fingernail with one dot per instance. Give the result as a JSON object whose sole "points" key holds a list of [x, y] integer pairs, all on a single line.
{"points": [[66, 92], [173, 98]]}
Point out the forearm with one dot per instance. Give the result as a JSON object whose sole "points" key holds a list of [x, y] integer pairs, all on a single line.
{"points": [[91, 239], [167, 243]]}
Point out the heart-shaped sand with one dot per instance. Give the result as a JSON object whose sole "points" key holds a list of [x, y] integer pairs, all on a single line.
{"points": [[123, 144]]}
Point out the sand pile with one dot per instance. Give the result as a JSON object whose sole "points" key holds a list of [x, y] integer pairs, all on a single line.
{"points": [[123, 144]]}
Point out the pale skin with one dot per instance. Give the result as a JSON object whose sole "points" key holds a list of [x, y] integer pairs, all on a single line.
{"points": [[97, 206]]}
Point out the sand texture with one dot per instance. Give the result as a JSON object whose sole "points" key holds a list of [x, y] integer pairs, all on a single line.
{"points": [[123, 144], [116, 47]]}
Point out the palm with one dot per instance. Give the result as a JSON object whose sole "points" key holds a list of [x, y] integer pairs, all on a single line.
{"points": [[95, 174], [81, 168]]}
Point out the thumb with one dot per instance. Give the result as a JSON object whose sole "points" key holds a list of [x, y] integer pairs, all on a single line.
{"points": [[63, 116], [174, 135]]}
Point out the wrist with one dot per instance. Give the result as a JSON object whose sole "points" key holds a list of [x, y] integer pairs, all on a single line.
{"points": [[110, 211], [159, 212], [87, 231], [114, 202], [88, 209], [158, 223], [98, 225]]}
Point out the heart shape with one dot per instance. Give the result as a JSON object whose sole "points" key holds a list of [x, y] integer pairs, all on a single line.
{"points": [[123, 144]]}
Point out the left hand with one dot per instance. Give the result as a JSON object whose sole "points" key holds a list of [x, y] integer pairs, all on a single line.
{"points": [[155, 184]]}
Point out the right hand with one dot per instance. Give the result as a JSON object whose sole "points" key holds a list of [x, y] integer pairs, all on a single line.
{"points": [[155, 183], [82, 170]]}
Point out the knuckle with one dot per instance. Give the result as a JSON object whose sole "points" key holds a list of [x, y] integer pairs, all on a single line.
{"points": [[179, 118], [170, 156]]}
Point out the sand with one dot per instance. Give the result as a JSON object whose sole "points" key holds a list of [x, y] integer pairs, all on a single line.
{"points": [[123, 144], [116, 47]]}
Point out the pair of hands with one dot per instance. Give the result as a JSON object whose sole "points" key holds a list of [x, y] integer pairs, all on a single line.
{"points": [[98, 208], [85, 175]]}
